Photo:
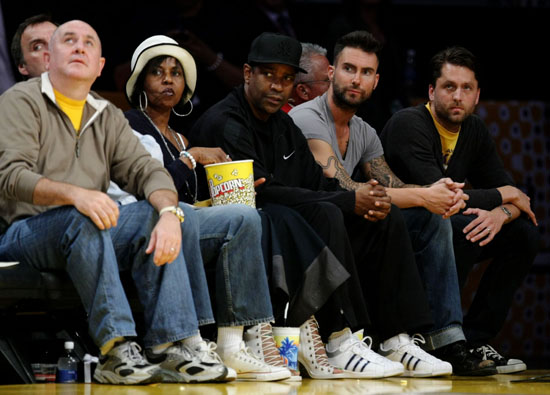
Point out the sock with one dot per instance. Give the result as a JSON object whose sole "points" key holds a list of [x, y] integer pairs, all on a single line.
{"points": [[229, 340], [160, 347], [110, 344], [192, 341], [336, 339]]}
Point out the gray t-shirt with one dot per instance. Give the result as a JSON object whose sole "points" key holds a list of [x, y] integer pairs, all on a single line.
{"points": [[315, 120]]}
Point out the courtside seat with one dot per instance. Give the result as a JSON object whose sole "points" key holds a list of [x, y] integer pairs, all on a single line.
{"points": [[42, 301], [54, 288]]}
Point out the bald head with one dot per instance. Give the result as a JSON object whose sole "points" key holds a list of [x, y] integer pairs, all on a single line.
{"points": [[74, 58], [73, 26]]}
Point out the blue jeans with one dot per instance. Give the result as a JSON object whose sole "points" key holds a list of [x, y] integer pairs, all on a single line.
{"points": [[432, 241], [230, 243], [64, 239]]}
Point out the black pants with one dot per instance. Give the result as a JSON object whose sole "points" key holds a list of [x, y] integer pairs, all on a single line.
{"points": [[383, 271], [513, 251], [301, 269]]}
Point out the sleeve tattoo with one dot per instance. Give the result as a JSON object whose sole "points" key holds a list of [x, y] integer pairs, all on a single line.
{"points": [[378, 169], [341, 174]]}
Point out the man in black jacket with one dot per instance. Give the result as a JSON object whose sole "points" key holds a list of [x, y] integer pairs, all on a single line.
{"points": [[362, 228], [444, 139]]}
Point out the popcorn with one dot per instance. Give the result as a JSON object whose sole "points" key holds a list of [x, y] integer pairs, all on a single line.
{"points": [[231, 183]]}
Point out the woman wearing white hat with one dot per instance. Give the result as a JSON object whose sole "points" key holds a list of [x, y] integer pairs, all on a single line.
{"points": [[162, 82]]}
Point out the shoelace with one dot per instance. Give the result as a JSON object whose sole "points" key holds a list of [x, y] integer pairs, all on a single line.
{"points": [[318, 346], [251, 359], [271, 352], [489, 352], [132, 351], [416, 340], [208, 348], [365, 342], [181, 349], [364, 348]]}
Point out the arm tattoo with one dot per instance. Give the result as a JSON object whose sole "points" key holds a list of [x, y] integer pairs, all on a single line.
{"points": [[341, 175], [378, 169]]}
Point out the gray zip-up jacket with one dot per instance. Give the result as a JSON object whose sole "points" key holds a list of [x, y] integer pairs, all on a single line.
{"points": [[37, 139]]}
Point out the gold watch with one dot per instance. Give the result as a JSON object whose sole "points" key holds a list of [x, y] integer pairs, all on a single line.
{"points": [[177, 211]]}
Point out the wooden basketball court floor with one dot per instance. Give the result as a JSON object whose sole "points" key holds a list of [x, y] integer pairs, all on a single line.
{"points": [[529, 382]]}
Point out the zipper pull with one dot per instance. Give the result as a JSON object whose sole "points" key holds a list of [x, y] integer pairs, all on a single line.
{"points": [[77, 148]]}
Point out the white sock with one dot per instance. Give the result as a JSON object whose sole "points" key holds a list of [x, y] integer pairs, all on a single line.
{"points": [[337, 338], [229, 340], [192, 341]]}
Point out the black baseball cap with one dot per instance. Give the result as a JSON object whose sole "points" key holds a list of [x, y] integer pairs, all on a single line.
{"points": [[276, 48]]}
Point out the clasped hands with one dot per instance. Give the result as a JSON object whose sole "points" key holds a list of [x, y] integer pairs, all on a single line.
{"points": [[372, 201], [445, 197]]}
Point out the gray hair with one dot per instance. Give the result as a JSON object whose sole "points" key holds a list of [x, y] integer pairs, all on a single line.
{"points": [[306, 63]]}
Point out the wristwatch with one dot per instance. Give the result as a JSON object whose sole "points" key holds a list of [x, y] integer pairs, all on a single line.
{"points": [[507, 212], [177, 211]]}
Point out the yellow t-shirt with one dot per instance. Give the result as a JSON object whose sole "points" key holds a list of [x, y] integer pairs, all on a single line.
{"points": [[448, 139], [73, 108]]}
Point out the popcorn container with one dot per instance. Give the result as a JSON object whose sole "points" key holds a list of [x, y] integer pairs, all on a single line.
{"points": [[231, 182]]}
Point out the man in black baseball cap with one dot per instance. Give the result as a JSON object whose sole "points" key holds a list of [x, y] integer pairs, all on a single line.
{"points": [[276, 48], [273, 61], [248, 124]]}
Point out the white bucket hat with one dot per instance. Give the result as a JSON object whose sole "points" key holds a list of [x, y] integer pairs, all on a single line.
{"points": [[162, 46]]}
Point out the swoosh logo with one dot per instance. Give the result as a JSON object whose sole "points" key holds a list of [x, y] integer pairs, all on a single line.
{"points": [[285, 157]]}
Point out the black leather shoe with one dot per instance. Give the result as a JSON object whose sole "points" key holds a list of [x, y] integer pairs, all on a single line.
{"points": [[464, 363]]}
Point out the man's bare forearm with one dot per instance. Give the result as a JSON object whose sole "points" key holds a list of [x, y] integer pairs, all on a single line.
{"points": [[378, 169], [340, 174], [163, 198], [54, 193]]}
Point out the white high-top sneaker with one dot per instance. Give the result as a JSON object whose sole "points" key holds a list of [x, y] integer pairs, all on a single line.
{"points": [[251, 369], [347, 352], [417, 362]]}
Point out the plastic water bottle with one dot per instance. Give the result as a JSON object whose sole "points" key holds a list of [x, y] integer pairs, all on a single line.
{"points": [[67, 365]]}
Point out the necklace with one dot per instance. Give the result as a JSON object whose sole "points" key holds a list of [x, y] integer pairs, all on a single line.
{"points": [[179, 139], [180, 142]]}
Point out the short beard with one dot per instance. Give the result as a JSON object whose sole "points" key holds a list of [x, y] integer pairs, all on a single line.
{"points": [[342, 102], [444, 115]]}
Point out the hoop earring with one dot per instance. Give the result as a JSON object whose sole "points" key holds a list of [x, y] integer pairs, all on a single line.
{"points": [[184, 115], [141, 104]]}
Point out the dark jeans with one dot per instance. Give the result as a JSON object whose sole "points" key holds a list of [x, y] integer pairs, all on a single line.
{"points": [[513, 251], [383, 270], [432, 240]]}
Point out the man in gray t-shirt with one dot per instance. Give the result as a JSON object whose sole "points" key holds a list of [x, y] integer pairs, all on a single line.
{"points": [[315, 120], [340, 141]]}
